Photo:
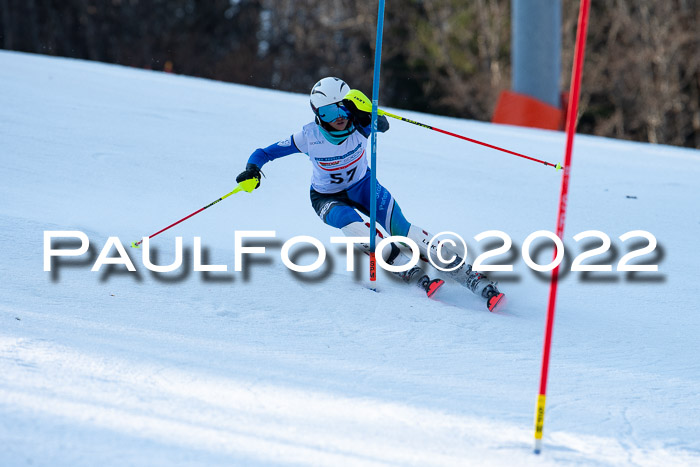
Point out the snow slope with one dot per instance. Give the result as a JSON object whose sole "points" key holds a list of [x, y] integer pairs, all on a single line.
{"points": [[268, 367]]}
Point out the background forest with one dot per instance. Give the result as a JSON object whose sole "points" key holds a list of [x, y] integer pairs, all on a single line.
{"points": [[452, 57]]}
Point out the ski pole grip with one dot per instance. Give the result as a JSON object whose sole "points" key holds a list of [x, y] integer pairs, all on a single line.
{"points": [[361, 101]]}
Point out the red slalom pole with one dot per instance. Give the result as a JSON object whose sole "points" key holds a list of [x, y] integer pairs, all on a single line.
{"points": [[471, 140], [561, 217]]}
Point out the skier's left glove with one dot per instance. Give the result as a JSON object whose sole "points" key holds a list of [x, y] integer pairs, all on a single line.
{"points": [[361, 117], [360, 107], [251, 171]]}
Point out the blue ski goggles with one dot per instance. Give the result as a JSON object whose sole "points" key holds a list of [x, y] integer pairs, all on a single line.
{"points": [[331, 112]]}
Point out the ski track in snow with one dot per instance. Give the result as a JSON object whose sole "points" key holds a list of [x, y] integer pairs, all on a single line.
{"points": [[269, 368]]}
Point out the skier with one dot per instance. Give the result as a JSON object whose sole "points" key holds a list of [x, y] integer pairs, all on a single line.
{"points": [[340, 184]]}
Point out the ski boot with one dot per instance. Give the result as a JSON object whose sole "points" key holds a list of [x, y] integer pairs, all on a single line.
{"points": [[480, 285], [430, 285], [424, 282], [495, 300]]}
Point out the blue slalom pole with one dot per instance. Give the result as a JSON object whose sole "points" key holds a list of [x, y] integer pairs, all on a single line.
{"points": [[373, 154]]}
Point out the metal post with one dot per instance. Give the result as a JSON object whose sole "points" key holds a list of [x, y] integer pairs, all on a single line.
{"points": [[536, 49]]}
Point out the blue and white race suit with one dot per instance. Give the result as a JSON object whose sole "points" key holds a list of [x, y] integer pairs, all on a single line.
{"points": [[340, 181]]}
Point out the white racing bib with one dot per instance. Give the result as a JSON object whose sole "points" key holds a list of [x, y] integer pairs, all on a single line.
{"points": [[335, 167]]}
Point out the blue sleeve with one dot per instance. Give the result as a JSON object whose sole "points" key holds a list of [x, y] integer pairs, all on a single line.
{"points": [[364, 130], [262, 156]]}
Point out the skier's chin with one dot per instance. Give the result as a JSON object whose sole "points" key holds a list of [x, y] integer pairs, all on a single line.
{"points": [[339, 124]]}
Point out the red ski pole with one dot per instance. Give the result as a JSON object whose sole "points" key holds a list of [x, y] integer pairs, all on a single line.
{"points": [[246, 185], [362, 102], [491, 146]]}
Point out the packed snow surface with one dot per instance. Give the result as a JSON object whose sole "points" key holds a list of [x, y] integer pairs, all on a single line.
{"points": [[266, 366]]}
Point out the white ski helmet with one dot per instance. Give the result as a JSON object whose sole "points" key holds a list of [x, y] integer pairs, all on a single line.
{"points": [[327, 91]]}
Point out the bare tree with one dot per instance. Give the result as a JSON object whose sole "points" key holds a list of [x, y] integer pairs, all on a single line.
{"points": [[642, 70], [641, 77]]}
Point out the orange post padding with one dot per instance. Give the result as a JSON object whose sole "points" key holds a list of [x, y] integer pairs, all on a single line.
{"points": [[518, 109]]}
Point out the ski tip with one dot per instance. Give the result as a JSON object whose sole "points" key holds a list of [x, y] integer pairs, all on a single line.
{"points": [[496, 302], [135, 245], [433, 286]]}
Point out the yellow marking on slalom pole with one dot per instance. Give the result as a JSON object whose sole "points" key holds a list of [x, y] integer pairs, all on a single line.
{"points": [[539, 422], [539, 416]]}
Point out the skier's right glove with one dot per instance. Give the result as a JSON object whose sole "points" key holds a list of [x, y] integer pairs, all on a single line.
{"points": [[251, 171]]}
